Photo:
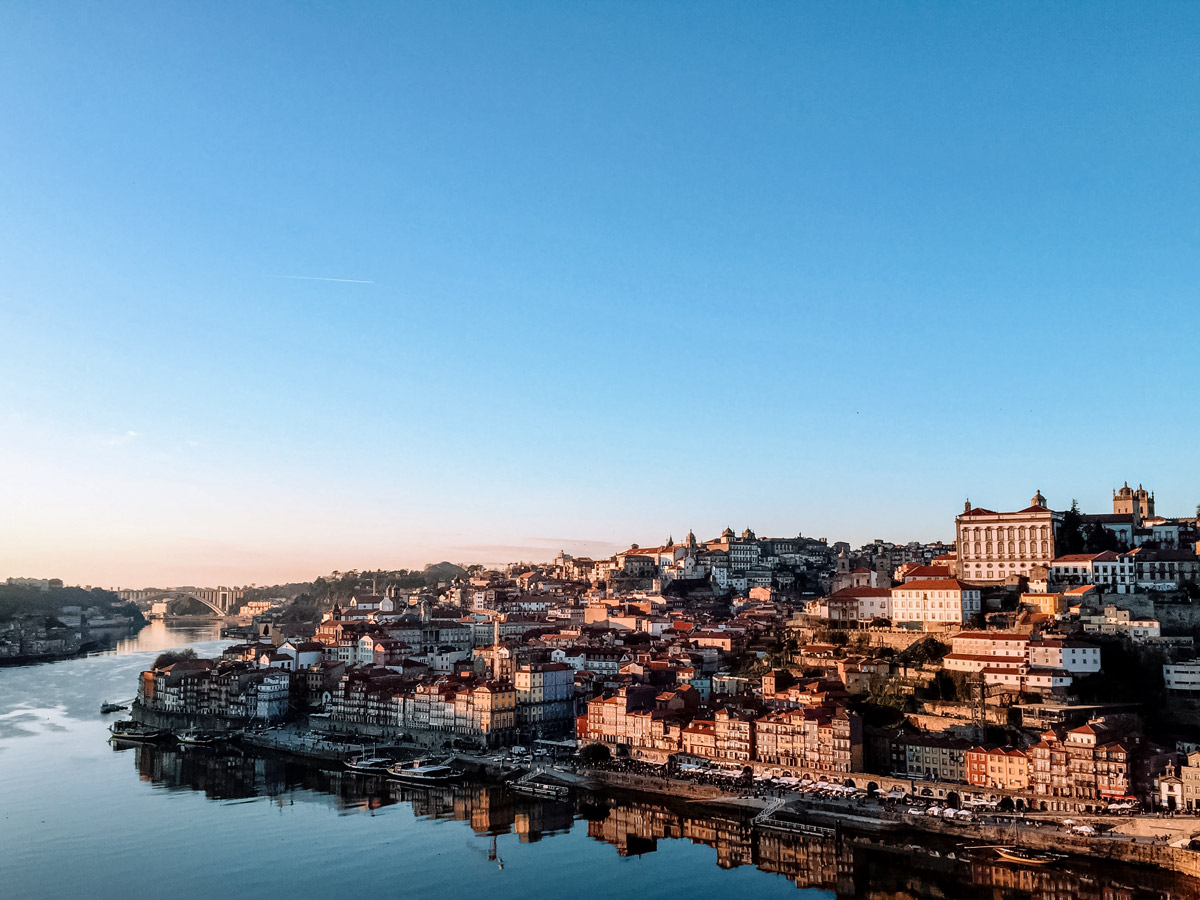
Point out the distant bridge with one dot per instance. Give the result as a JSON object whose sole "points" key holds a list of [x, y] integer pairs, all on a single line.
{"points": [[221, 600]]}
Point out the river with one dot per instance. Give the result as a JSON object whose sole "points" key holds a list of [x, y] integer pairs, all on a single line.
{"points": [[80, 818]]}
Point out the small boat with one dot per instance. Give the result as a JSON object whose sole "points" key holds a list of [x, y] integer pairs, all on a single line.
{"points": [[1027, 857], [107, 707], [424, 774], [129, 730], [370, 765], [193, 738], [542, 789]]}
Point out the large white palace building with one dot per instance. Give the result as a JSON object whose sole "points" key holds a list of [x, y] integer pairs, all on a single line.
{"points": [[994, 547]]}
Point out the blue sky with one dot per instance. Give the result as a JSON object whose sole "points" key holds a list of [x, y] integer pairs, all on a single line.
{"points": [[630, 269]]}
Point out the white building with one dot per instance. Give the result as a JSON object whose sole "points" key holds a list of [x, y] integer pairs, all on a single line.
{"points": [[945, 602], [994, 547], [1107, 569], [1182, 676], [1076, 657]]}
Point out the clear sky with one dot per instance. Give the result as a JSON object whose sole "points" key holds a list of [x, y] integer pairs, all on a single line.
{"points": [[287, 288]]}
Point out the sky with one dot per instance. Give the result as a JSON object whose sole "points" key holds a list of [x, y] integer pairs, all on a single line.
{"points": [[289, 288]]}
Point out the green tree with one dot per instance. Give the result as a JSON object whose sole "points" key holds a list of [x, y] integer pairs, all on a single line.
{"points": [[1070, 538], [595, 754], [924, 651], [170, 657]]}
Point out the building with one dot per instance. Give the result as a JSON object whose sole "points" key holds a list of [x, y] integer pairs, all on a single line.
{"points": [[1090, 766], [1137, 504], [1189, 776], [1114, 571], [810, 741], [930, 757], [1183, 676], [999, 768], [1076, 657], [856, 606], [945, 602], [545, 694], [999, 547]]}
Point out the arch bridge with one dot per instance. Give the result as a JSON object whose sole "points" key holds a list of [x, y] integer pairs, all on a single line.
{"points": [[222, 600]]}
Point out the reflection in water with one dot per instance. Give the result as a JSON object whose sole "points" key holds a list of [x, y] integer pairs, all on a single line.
{"points": [[848, 866], [73, 815]]}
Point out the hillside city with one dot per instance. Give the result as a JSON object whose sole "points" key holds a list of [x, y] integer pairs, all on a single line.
{"points": [[1044, 660]]}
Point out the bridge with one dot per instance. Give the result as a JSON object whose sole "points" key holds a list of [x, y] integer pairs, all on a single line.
{"points": [[221, 600]]}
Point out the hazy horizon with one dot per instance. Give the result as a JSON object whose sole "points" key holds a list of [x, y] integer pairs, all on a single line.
{"points": [[289, 289]]}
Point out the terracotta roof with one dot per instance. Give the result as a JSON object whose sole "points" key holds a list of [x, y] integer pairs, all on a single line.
{"points": [[927, 571], [991, 636], [939, 584]]}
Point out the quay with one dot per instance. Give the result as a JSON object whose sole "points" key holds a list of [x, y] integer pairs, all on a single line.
{"points": [[1138, 840]]}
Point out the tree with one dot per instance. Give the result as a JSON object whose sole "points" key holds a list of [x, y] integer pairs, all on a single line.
{"points": [[924, 651], [170, 657], [1070, 538], [595, 754], [1098, 539], [306, 608]]}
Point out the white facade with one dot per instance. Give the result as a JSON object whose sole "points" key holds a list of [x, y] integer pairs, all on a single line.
{"points": [[1072, 656], [946, 602], [995, 546], [1108, 569], [1182, 676]]}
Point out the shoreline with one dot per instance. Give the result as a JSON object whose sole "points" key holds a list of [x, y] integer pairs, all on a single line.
{"points": [[785, 811], [878, 821]]}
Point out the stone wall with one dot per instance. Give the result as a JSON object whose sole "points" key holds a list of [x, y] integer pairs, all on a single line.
{"points": [[1159, 855], [181, 721]]}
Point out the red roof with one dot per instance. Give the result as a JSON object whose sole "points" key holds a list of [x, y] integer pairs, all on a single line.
{"points": [[992, 636], [927, 572], [853, 592], [937, 584]]}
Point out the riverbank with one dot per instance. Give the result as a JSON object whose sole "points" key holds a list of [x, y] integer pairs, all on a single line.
{"points": [[1136, 840]]}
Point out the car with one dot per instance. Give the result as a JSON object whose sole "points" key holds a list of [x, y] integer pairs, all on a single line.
{"points": [[518, 751]]}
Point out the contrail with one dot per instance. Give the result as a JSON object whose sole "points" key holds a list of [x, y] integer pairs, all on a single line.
{"points": [[320, 278]]}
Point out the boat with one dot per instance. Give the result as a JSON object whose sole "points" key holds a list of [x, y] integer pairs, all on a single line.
{"points": [[107, 707], [129, 730], [193, 738], [1027, 857], [420, 773], [370, 765]]}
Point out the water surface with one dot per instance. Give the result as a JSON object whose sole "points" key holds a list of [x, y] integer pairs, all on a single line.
{"points": [[81, 818]]}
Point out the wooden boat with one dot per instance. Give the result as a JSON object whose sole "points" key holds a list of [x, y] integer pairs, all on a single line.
{"points": [[192, 738], [129, 730], [542, 789], [1027, 857], [370, 765], [424, 774]]}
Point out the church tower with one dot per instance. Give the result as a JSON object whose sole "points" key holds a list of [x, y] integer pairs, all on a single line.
{"points": [[1137, 504]]}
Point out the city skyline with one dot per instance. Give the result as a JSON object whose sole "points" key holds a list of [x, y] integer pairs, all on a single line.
{"points": [[536, 550], [297, 289]]}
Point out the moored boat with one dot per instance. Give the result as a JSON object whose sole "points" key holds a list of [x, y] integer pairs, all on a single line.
{"points": [[192, 738], [370, 765], [129, 730], [107, 707], [423, 774], [1027, 857]]}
